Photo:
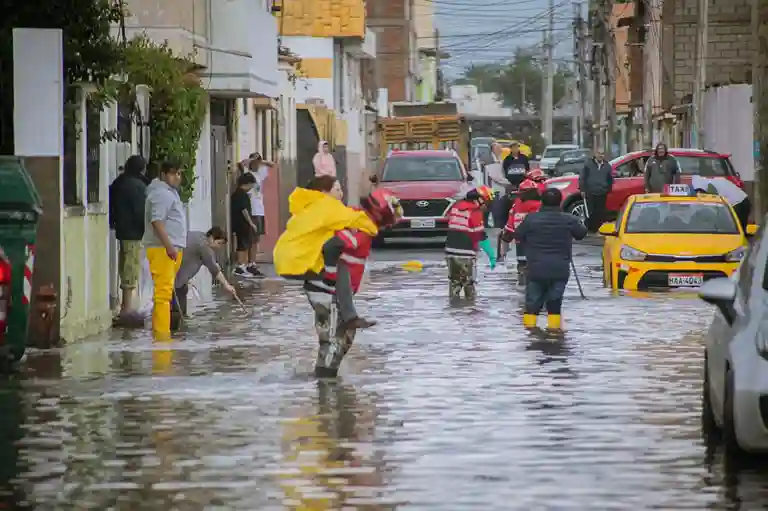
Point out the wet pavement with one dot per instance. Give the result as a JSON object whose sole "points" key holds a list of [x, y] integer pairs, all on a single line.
{"points": [[439, 408]]}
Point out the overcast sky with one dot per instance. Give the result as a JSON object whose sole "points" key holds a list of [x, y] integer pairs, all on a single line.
{"points": [[490, 30]]}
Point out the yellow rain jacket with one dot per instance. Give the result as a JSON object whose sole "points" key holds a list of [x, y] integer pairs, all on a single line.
{"points": [[315, 218]]}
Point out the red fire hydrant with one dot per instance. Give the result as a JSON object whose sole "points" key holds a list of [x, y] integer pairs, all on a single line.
{"points": [[43, 317]]}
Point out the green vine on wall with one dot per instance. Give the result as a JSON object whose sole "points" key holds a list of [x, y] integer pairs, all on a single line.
{"points": [[178, 104]]}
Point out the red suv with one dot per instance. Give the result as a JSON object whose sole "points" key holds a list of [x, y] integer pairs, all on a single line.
{"points": [[628, 177], [427, 183]]}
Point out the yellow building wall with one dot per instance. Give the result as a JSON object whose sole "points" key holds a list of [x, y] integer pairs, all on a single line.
{"points": [[85, 277], [323, 18]]}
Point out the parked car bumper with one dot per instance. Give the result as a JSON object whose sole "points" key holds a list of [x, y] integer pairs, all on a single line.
{"points": [[421, 227], [634, 275], [750, 401]]}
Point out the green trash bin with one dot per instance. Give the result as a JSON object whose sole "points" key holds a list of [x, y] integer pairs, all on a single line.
{"points": [[20, 210]]}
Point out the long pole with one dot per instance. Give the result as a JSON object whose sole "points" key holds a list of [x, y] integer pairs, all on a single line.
{"points": [[700, 83], [438, 80], [548, 107]]}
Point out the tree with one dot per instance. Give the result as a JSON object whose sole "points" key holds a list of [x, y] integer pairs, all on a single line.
{"points": [[519, 83], [90, 53]]}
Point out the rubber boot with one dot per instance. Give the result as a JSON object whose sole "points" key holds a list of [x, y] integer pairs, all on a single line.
{"points": [[554, 322], [529, 320]]}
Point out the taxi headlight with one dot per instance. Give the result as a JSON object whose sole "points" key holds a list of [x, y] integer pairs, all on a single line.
{"points": [[631, 254], [735, 256]]}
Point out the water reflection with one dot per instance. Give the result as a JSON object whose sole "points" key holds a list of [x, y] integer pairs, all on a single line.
{"points": [[12, 417], [329, 454]]}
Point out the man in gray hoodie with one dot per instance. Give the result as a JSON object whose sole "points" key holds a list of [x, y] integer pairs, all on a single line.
{"points": [[595, 183], [165, 238], [661, 169]]}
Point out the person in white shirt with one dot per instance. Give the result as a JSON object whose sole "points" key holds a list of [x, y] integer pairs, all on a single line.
{"points": [[735, 196], [260, 169]]}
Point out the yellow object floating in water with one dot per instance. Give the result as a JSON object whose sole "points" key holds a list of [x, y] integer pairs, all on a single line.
{"points": [[413, 266]]}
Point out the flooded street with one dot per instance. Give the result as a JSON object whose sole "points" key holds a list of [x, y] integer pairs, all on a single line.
{"points": [[438, 408]]}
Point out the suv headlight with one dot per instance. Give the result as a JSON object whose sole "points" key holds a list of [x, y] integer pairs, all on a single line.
{"points": [[631, 254], [735, 256]]}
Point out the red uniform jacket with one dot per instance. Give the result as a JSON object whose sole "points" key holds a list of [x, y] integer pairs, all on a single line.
{"points": [[466, 229], [356, 251], [520, 210]]}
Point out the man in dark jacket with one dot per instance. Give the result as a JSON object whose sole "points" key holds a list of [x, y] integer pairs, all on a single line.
{"points": [[516, 165], [661, 169], [595, 183], [127, 195], [547, 238]]}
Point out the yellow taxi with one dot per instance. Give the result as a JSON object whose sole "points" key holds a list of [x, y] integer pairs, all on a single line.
{"points": [[675, 239]]}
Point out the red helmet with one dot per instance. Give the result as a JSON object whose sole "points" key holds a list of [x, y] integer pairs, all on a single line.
{"points": [[383, 207], [536, 175], [528, 184]]}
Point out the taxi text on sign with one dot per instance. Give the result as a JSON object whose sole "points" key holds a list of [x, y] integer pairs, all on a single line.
{"points": [[677, 190]]}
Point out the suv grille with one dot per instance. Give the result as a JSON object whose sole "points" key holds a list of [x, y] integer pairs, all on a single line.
{"points": [[417, 208]]}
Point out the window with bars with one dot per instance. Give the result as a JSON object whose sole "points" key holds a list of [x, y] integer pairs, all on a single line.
{"points": [[93, 134]]}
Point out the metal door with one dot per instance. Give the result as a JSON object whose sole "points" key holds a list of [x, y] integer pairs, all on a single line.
{"points": [[220, 185]]}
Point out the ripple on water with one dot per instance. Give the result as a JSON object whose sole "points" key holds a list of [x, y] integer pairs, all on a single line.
{"points": [[441, 407]]}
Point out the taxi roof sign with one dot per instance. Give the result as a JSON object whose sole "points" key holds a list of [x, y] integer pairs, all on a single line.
{"points": [[678, 190]]}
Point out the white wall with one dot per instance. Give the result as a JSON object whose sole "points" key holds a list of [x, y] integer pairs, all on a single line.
{"points": [[245, 120], [313, 48], [728, 125], [287, 115]]}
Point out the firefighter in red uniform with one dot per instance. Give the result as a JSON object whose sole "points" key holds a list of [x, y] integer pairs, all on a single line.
{"points": [[466, 234], [528, 201], [330, 306]]}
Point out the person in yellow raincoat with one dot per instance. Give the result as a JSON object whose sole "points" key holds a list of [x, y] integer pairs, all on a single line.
{"points": [[306, 250]]}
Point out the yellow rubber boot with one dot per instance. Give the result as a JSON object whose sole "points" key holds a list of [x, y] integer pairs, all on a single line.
{"points": [[529, 320], [554, 322]]}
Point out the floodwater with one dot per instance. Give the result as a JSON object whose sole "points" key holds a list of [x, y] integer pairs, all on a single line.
{"points": [[439, 408]]}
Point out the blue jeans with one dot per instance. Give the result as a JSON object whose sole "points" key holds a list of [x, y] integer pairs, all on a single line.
{"points": [[539, 292]]}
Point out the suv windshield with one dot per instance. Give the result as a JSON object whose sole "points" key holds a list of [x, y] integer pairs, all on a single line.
{"points": [[422, 168], [555, 152], [575, 155], [704, 166], [681, 218], [690, 165]]}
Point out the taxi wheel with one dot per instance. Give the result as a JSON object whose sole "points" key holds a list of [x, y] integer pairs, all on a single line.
{"points": [[606, 274], [708, 423], [730, 441]]}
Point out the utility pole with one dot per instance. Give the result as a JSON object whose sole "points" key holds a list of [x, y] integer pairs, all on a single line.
{"points": [[439, 96], [579, 52], [524, 99], [548, 100], [596, 73], [611, 78], [700, 83]]}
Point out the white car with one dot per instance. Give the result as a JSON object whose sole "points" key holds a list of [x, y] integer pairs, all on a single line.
{"points": [[735, 389], [551, 155]]}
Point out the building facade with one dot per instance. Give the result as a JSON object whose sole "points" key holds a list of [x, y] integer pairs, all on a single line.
{"points": [[332, 41], [398, 52], [235, 45]]}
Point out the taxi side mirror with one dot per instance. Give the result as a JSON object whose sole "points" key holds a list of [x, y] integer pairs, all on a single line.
{"points": [[752, 229], [608, 229]]}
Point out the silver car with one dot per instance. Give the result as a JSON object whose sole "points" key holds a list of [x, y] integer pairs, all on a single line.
{"points": [[735, 389]]}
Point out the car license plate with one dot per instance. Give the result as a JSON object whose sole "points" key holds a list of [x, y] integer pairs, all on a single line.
{"points": [[422, 224], [686, 280]]}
